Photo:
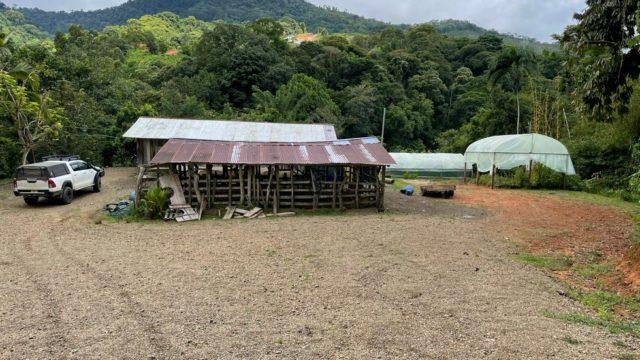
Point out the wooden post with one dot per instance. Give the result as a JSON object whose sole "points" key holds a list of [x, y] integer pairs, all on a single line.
{"points": [[357, 170], [276, 193], [209, 201], [230, 180], [241, 177], [266, 198], [190, 180], [382, 188], [334, 187], [530, 170], [493, 175], [315, 191], [141, 171], [477, 175], [292, 191], [213, 188], [464, 176]]}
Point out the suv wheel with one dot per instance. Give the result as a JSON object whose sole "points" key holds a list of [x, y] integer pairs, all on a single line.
{"points": [[67, 195], [31, 200], [97, 184]]}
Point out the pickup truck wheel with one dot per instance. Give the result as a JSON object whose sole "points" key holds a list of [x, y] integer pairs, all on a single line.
{"points": [[67, 195], [97, 184], [31, 200]]}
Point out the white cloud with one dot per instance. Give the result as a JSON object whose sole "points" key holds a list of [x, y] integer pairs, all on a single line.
{"points": [[535, 18]]}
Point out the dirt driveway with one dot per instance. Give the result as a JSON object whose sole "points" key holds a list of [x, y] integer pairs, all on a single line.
{"points": [[421, 282]]}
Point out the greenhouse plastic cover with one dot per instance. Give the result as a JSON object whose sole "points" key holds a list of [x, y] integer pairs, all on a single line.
{"points": [[427, 162], [510, 151]]}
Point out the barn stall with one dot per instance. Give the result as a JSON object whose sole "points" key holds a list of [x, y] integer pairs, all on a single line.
{"points": [[340, 174]]}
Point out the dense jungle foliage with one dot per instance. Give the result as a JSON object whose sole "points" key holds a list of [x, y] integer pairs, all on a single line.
{"points": [[80, 90]]}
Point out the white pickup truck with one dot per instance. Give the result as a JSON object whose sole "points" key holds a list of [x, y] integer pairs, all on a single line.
{"points": [[56, 178]]}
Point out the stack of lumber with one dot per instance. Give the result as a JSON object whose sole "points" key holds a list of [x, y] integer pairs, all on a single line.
{"points": [[237, 213]]}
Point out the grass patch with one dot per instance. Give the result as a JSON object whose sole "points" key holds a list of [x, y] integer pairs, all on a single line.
{"points": [[627, 356], [614, 326], [399, 184], [592, 271], [551, 262]]}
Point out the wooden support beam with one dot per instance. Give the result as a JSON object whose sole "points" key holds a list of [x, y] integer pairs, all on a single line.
{"points": [[209, 199], [382, 188], [334, 188], [241, 177], [230, 182], [315, 190], [464, 176], [493, 176], [266, 198], [276, 194], [477, 175], [357, 170], [292, 189], [190, 182]]}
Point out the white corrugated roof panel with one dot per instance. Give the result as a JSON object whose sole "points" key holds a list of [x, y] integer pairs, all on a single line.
{"points": [[222, 130]]}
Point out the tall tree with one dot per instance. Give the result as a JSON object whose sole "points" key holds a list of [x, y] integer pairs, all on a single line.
{"points": [[513, 67], [33, 117]]}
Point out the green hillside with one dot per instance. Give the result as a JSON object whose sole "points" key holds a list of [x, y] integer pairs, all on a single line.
{"points": [[228, 10]]}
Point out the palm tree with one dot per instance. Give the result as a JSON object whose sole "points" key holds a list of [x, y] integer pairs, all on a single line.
{"points": [[513, 66]]}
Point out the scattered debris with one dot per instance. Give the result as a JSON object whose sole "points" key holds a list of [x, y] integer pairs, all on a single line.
{"points": [[120, 209], [181, 213], [441, 191], [407, 190], [236, 213]]}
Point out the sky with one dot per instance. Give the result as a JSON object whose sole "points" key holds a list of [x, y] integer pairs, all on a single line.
{"points": [[534, 18]]}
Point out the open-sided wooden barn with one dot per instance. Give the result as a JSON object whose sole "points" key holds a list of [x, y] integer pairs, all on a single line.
{"points": [[274, 175], [152, 133]]}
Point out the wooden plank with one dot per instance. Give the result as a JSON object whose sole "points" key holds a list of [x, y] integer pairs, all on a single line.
{"points": [[230, 212], [276, 193], [241, 176], [209, 199], [253, 213]]}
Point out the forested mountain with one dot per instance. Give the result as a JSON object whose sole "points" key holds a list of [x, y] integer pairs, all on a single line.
{"points": [[228, 10], [313, 17], [80, 90], [12, 21]]}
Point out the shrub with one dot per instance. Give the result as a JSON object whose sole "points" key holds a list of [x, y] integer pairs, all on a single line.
{"points": [[154, 203], [407, 175]]}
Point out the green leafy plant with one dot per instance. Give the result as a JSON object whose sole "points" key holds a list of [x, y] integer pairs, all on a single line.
{"points": [[154, 203]]}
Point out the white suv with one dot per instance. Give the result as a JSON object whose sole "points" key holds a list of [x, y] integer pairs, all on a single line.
{"points": [[56, 178]]}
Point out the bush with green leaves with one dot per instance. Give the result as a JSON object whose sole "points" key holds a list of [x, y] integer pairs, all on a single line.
{"points": [[154, 203]]}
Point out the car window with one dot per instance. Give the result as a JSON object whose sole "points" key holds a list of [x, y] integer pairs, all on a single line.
{"points": [[31, 173], [79, 166], [59, 170]]}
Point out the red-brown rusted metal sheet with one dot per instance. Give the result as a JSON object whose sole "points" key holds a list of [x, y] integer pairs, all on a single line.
{"points": [[365, 151]]}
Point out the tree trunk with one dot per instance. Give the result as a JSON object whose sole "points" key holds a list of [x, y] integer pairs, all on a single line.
{"points": [[518, 103], [25, 155]]}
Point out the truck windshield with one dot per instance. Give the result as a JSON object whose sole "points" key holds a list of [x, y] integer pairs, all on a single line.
{"points": [[25, 173]]}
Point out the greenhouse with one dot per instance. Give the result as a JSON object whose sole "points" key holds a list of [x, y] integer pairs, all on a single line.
{"points": [[432, 165], [510, 151]]}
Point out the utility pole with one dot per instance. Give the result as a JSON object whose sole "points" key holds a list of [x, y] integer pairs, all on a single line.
{"points": [[384, 119]]}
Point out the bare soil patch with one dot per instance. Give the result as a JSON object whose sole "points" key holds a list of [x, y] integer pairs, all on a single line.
{"points": [[408, 284], [548, 224]]}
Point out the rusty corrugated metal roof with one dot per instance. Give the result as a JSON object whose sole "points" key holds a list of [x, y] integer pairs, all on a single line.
{"points": [[223, 130], [365, 151]]}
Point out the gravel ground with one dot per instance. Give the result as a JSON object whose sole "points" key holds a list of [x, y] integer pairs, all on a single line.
{"points": [[424, 281]]}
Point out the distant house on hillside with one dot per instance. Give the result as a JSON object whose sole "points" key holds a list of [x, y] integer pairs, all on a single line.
{"points": [[300, 38], [152, 133]]}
